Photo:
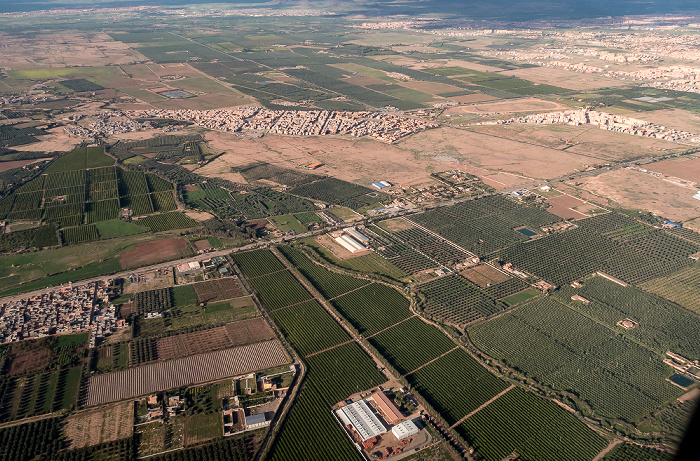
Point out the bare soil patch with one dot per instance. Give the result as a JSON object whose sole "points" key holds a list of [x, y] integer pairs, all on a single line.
{"points": [[198, 215], [495, 153], [472, 98], [684, 168], [154, 251], [633, 189], [564, 78], [507, 107], [483, 275], [218, 290], [249, 331], [29, 357], [674, 118], [4, 166], [107, 424], [562, 205], [396, 225], [198, 342]]}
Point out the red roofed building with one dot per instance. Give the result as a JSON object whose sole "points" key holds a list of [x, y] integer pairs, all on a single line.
{"points": [[386, 407]]}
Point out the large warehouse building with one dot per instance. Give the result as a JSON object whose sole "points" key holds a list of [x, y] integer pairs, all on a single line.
{"points": [[360, 417]]}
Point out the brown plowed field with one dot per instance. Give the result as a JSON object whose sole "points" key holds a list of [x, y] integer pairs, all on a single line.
{"points": [[154, 377], [153, 252], [483, 275], [100, 426], [561, 206], [218, 290], [194, 343], [199, 342], [684, 168], [249, 331], [29, 358]]}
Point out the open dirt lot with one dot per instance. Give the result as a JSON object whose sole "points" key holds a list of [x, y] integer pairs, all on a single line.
{"points": [[29, 358], [507, 107], [187, 344], [494, 153], [338, 251], [359, 160], [563, 78], [64, 49], [585, 141], [483, 275], [100, 426], [472, 98], [674, 118], [562, 204], [633, 189], [684, 168], [218, 290], [4, 166], [152, 252]]}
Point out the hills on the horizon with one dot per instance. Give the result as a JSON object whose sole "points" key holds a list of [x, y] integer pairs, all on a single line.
{"points": [[496, 10]]}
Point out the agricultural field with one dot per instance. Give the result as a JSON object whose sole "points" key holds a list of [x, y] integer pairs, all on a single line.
{"points": [[661, 325], [311, 433], [428, 244], [96, 427], [629, 452], [309, 328], [338, 192], [329, 284], [457, 301], [484, 225], [343, 371], [398, 344], [258, 262], [373, 308], [455, 385], [166, 221], [399, 254], [563, 349], [532, 427], [218, 290], [136, 381], [40, 439], [279, 289], [682, 287]]}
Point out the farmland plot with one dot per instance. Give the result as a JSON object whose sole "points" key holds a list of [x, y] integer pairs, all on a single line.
{"points": [[158, 376], [373, 308]]}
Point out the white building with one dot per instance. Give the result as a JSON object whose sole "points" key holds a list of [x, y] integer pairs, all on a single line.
{"points": [[405, 429], [357, 235], [349, 243], [360, 417]]}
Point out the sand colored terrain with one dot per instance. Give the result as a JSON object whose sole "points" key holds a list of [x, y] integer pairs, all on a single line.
{"points": [[472, 98], [506, 107], [495, 153], [100, 426], [684, 168], [588, 141], [359, 160], [564, 78], [633, 189], [674, 118], [64, 49]]}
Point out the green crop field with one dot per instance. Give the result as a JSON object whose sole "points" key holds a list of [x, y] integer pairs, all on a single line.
{"points": [[257, 262], [166, 221], [329, 284], [309, 328], [399, 254], [279, 289], [561, 348], [661, 326], [398, 344], [532, 427], [455, 385], [456, 300], [311, 433], [80, 234], [115, 228], [629, 452], [681, 287], [373, 308], [342, 371], [338, 192]]}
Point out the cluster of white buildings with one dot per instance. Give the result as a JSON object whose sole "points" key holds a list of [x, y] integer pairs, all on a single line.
{"points": [[105, 124], [382, 126], [65, 310], [605, 121], [352, 240]]}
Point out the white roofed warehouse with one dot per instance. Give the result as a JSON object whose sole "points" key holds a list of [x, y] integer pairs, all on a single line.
{"points": [[404, 430], [359, 417]]}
